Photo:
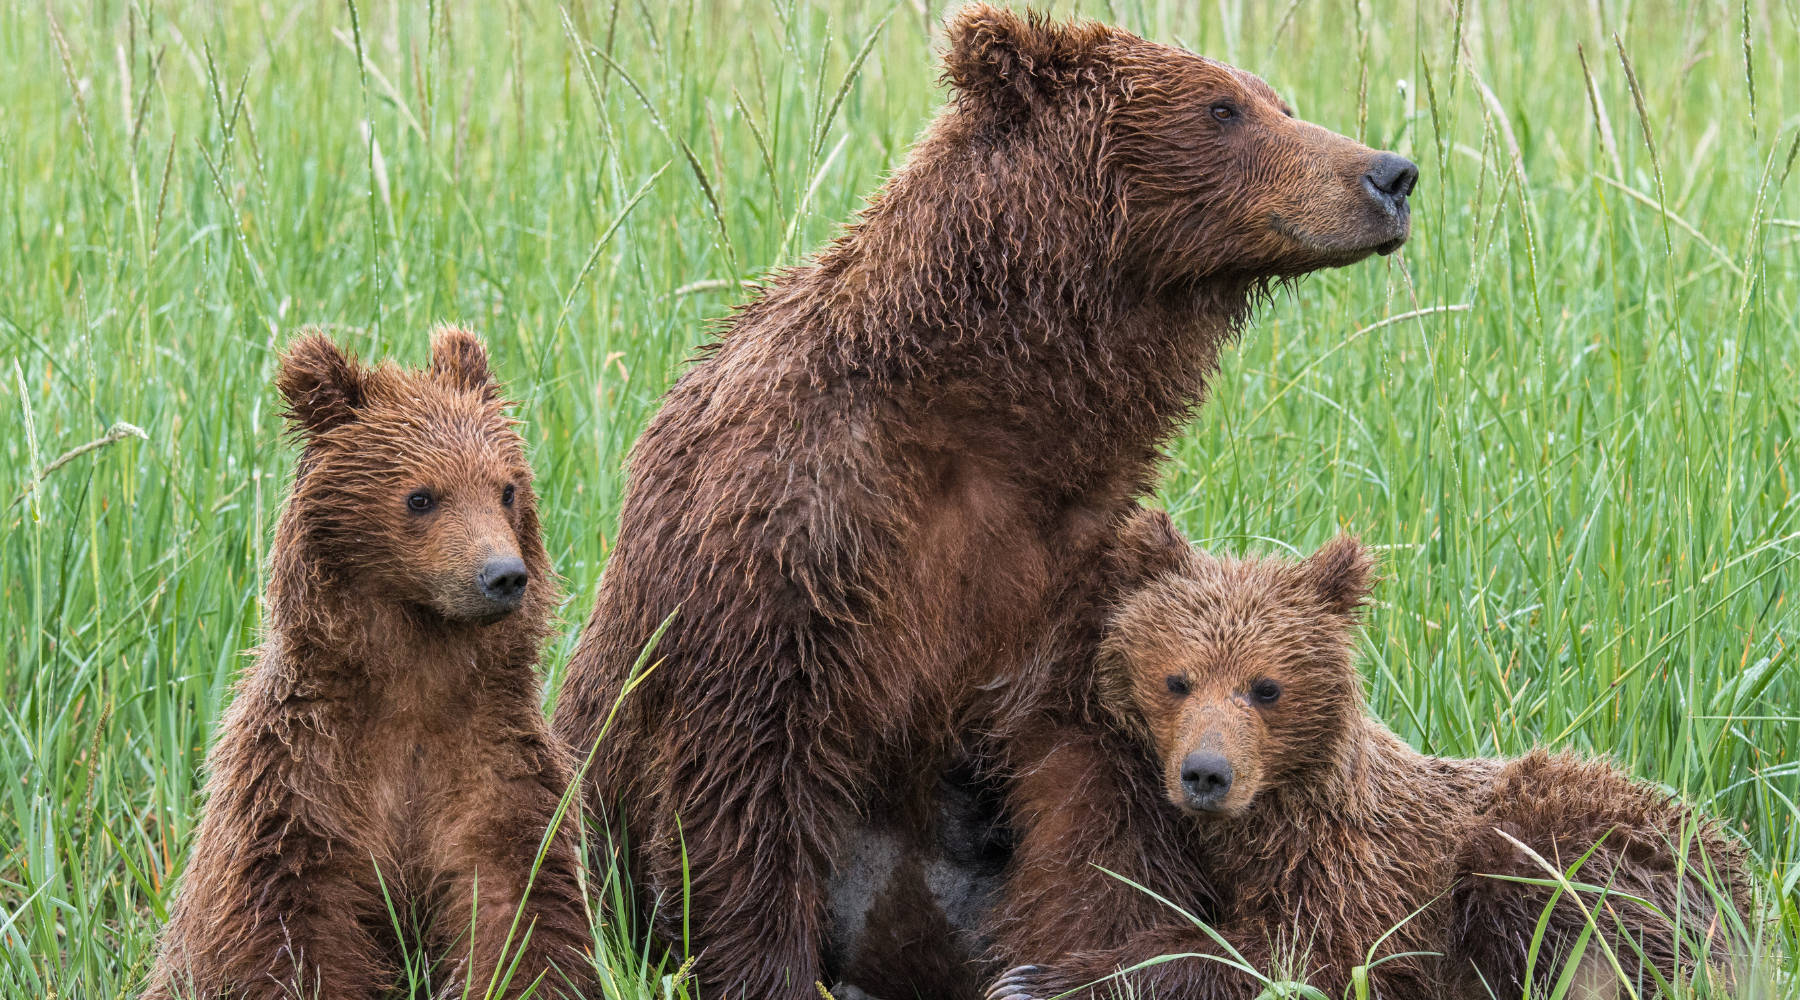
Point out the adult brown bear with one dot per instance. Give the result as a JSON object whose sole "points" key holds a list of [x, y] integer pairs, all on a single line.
{"points": [[873, 496]]}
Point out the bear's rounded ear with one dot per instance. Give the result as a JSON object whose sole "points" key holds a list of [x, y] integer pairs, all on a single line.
{"points": [[1113, 686], [1341, 573], [1009, 61], [322, 386], [457, 358], [1145, 547]]}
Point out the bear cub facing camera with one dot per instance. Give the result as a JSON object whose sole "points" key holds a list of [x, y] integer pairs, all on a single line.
{"points": [[1319, 830], [386, 758]]}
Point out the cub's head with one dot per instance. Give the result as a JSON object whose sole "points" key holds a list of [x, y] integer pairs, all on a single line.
{"points": [[1208, 168], [1238, 673], [413, 486]]}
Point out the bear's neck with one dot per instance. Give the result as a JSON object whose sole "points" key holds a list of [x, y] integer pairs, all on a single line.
{"points": [[963, 291], [1351, 784], [1377, 806], [329, 640]]}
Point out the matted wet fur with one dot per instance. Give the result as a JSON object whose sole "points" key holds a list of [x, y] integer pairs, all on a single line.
{"points": [[872, 499], [1253, 789], [388, 742]]}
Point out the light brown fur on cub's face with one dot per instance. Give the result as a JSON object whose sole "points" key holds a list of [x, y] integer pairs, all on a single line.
{"points": [[415, 483], [1239, 672]]}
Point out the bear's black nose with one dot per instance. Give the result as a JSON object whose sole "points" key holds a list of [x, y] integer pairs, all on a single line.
{"points": [[1205, 778], [1390, 179], [503, 581]]}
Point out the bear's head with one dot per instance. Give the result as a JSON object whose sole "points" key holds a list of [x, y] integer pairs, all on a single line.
{"points": [[1206, 171], [413, 488], [1237, 674]]}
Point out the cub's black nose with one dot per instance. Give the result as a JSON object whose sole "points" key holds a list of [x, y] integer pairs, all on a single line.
{"points": [[1391, 178], [1205, 778], [503, 581]]}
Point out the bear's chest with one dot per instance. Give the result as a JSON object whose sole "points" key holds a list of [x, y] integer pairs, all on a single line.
{"points": [[996, 566], [419, 765]]}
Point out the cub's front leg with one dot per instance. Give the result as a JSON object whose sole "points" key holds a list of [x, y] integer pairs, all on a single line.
{"points": [[507, 917], [1089, 802], [289, 916]]}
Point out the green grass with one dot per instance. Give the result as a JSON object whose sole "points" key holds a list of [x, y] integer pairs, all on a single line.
{"points": [[1584, 480]]}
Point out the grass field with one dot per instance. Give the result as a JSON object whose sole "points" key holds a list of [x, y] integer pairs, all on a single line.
{"points": [[1566, 410]]}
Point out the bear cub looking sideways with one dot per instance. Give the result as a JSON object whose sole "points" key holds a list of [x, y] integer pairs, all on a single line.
{"points": [[388, 741], [1318, 830]]}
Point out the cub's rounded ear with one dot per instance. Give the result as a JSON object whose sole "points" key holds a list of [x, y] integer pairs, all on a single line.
{"points": [[1113, 689], [1341, 573], [322, 386], [1009, 61], [458, 358], [1145, 546]]}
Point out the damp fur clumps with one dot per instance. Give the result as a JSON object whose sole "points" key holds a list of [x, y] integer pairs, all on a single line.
{"points": [[870, 505], [1237, 771], [385, 759]]}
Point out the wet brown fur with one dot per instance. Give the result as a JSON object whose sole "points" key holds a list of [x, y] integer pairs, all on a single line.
{"points": [[911, 893], [1333, 830], [381, 725], [871, 497]]}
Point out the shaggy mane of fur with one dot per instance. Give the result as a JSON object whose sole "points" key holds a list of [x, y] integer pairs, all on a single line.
{"points": [[881, 497]]}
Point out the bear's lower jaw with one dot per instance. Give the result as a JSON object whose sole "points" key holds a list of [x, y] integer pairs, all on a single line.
{"points": [[465, 605], [1390, 246], [491, 619], [1219, 814], [1335, 250], [466, 616]]}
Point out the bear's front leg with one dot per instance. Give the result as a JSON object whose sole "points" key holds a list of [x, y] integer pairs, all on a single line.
{"points": [[1086, 812], [290, 920], [509, 918], [327, 945], [753, 839]]}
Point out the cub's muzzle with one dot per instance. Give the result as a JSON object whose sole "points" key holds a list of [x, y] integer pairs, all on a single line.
{"points": [[1205, 780], [502, 583]]}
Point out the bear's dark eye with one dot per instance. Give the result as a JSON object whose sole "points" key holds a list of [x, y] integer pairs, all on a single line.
{"points": [[1178, 686], [1224, 112], [1265, 692], [506, 496], [420, 501]]}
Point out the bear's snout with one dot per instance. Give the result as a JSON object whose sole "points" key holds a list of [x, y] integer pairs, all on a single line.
{"points": [[1390, 179], [502, 581], [1387, 182], [1205, 780]]}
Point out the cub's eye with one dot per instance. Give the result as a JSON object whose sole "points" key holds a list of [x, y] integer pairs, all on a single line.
{"points": [[1178, 686], [421, 501], [506, 496], [1224, 112], [1264, 692]]}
